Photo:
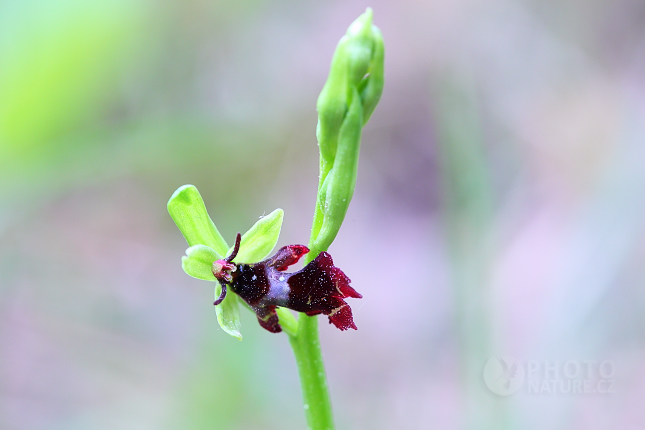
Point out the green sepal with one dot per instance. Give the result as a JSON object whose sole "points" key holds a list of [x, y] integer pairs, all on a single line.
{"points": [[228, 312], [187, 209], [260, 239], [198, 262]]}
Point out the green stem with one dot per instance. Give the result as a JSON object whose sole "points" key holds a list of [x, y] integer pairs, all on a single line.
{"points": [[311, 369], [306, 349], [344, 106]]}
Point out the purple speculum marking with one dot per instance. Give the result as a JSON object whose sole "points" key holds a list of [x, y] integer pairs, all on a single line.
{"points": [[318, 288]]}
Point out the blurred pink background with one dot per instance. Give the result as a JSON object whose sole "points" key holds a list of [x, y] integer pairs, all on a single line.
{"points": [[499, 211]]}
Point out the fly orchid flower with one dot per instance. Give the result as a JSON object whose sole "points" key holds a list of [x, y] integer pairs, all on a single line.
{"points": [[318, 288]]}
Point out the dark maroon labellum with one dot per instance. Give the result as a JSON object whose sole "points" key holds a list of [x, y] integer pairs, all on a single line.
{"points": [[318, 288]]}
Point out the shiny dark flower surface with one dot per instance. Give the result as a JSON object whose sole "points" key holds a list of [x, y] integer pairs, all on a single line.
{"points": [[318, 288]]}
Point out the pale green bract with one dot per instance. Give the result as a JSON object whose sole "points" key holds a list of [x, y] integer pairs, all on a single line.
{"points": [[187, 209]]}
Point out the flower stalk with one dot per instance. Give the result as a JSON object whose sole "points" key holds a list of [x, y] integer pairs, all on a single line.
{"points": [[345, 104]]}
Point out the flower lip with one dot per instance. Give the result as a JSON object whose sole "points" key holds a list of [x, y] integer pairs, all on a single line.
{"points": [[318, 288]]}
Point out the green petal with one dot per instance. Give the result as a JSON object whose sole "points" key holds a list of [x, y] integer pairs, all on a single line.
{"points": [[198, 262], [228, 312], [258, 242], [186, 207]]}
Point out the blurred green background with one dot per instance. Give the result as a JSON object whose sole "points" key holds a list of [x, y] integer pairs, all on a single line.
{"points": [[499, 210]]}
